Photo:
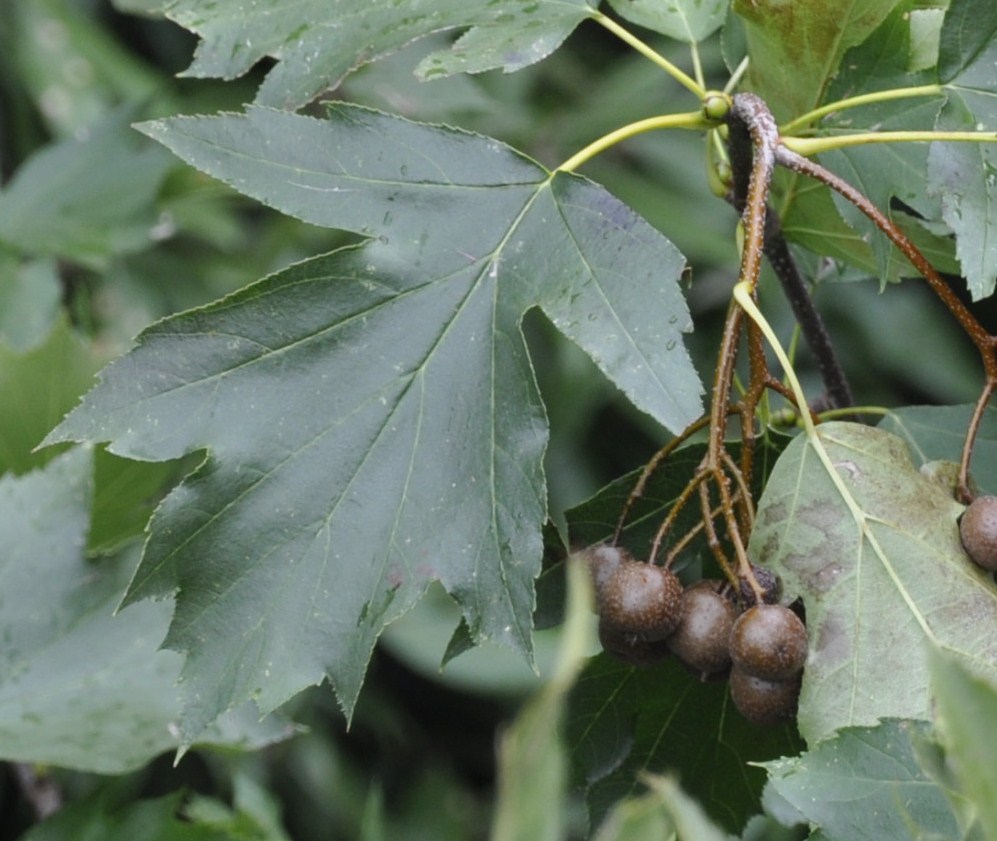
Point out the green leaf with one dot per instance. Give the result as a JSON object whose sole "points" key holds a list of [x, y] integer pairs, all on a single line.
{"points": [[796, 48], [370, 415], [96, 819], [628, 722], [967, 709], [937, 433], [39, 387], [866, 784], [880, 580], [318, 42], [664, 812], [883, 171], [79, 686], [533, 766], [967, 34], [30, 295], [625, 721], [687, 20], [964, 175], [88, 198]]}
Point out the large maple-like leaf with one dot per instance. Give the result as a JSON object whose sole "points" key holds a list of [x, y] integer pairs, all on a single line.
{"points": [[370, 416], [318, 42], [882, 578]]}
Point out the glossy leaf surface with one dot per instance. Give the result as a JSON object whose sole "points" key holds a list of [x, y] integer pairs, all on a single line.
{"points": [[353, 403], [316, 43]]}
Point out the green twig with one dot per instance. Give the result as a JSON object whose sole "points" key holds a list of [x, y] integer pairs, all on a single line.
{"points": [[855, 101], [691, 120], [678, 75]]}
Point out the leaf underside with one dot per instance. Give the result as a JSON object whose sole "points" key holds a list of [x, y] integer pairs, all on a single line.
{"points": [[370, 416], [879, 592]]}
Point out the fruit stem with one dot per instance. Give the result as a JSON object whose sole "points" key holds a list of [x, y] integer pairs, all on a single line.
{"points": [[678, 75], [855, 101], [656, 460], [963, 491], [692, 120]]}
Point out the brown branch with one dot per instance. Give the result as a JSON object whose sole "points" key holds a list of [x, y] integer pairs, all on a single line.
{"points": [[985, 343]]}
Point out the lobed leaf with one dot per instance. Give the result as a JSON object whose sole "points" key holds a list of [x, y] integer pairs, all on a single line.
{"points": [[316, 43], [370, 415], [881, 581], [686, 20]]}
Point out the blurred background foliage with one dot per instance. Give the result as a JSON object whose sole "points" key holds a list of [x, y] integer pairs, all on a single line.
{"points": [[103, 232]]}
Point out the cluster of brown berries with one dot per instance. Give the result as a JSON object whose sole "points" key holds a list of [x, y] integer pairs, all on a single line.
{"points": [[646, 615]]}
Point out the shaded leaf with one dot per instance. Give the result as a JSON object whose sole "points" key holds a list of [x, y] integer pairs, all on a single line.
{"points": [[967, 33], [30, 295], [317, 42], [39, 387], [937, 433], [967, 709], [97, 819], [666, 811], [625, 721], [964, 175], [371, 416], [81, 687], [866, 784], [883, 171], [86, 199], [687, 20], [880, 581]]}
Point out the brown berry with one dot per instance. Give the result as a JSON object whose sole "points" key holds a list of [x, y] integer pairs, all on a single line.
{"points": [[769, 582], [769, 641], [603, 560], [701, 638], [761, 701], [978, 529], [630, 648], [641, 599]]}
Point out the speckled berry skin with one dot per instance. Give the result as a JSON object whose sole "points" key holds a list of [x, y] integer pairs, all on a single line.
{"points": [[701, 638], [769, 642], [764, 702], [978, 529], [603, 560], [641, 599]]}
